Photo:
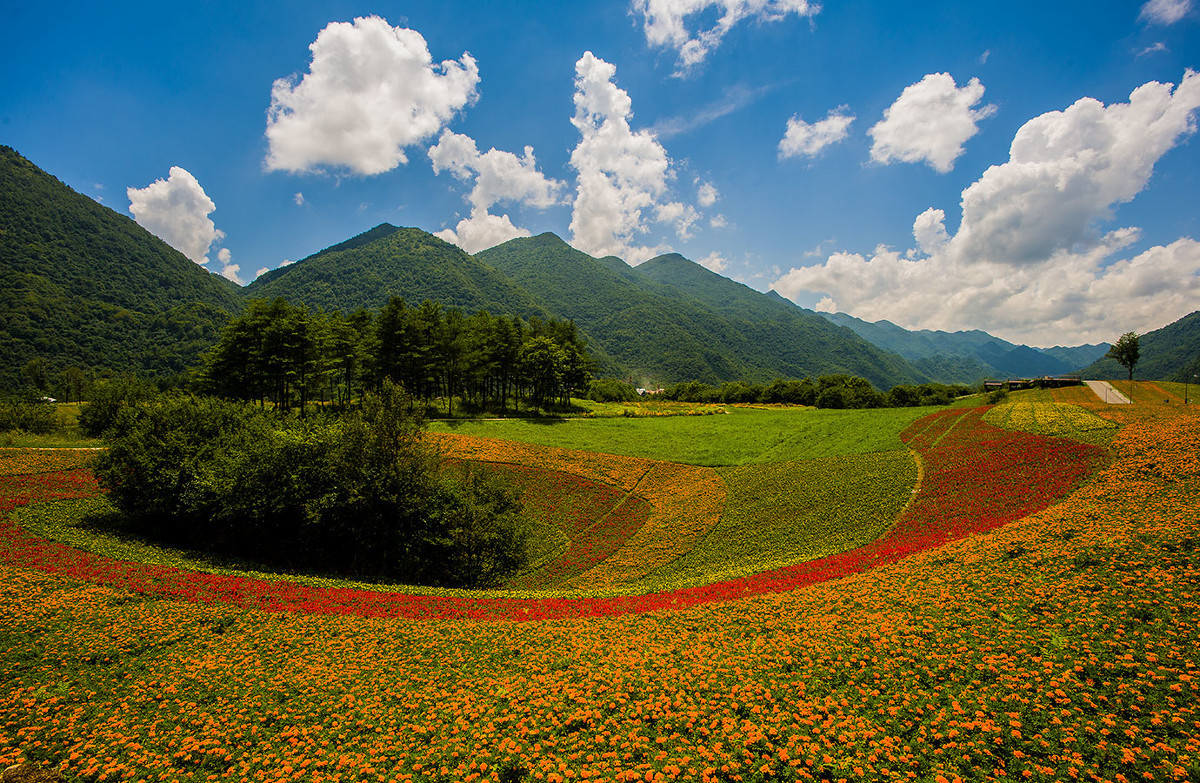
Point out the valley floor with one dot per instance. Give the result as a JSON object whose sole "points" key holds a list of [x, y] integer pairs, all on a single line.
{"points": [[1057, 646]]}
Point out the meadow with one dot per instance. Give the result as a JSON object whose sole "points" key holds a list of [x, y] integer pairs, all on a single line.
{"points": [[953, 594]]}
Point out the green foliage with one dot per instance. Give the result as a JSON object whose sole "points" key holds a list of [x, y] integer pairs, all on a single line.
{"points": [[110, 397], [997, 396], [1125, 351], [610, 390], [83, 286], [358, 494], [290, 356], [28, 415], [829, 391]]}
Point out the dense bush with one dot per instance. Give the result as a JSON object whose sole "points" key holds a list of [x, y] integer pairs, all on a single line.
{"points": [[28, 415], [610, 390], [108, 398], [359, 494]]}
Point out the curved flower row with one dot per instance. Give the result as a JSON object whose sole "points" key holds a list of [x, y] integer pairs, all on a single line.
{"points": [[977, 478], [619, 471], [594, 520], [23, 462], [1050, 418], [687, 502]]}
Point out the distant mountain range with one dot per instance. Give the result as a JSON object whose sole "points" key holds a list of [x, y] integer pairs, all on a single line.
{"points": [[969, 356], [81, 285]]}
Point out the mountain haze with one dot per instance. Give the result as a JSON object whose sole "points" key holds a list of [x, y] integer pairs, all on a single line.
{"points": [[968, 356]]}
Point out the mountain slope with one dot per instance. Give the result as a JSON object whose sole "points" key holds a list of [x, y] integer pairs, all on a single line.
{"points": [[367, 270], [659, 333], [1167, 354], [798, 338], [84, 286]]}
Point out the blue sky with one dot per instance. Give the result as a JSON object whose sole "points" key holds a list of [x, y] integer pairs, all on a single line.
{"points": [[1025, 168]]}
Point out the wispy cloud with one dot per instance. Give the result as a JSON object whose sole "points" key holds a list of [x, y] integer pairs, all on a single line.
{"points": [[735, 99]]}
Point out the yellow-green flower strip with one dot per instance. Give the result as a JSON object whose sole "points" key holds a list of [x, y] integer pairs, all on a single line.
{"points": [[1056, 419]]}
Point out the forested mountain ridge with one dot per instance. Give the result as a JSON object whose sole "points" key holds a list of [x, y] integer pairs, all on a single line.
{"points": [[797, 337], [649, 338], [84, 286], [367, 270]]}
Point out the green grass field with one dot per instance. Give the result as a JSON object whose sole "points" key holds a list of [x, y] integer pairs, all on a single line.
{"points": [[740, 437]]}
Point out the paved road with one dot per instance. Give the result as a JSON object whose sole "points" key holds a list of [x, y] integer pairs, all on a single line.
{"points": [[1105, 391]]}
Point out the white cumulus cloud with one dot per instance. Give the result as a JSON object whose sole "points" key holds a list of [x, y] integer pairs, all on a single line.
{"points": [[666, 23], [930, 122], [499, 177], [1029, 260], [1165, 11], [707, 194], [176, 211], [802, 138], [229, 270], [714, 261], [371, 91], [623, 174]]}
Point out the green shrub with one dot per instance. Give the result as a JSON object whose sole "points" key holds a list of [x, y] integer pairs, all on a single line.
{"points": [[611, 390], [360, 494], [108, 399], [28, 415]]}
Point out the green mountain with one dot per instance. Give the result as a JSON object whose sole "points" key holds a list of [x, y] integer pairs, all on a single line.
{"points": [[798, 340], [369, 269], [968, 356], [1171, 353], [658, 332], [84, 286]]}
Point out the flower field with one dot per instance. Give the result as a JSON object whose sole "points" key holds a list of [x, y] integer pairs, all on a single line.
{"points": [[1058, 419], [1018, 622]]}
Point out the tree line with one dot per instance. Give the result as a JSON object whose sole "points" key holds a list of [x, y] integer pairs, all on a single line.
{"points": [[290, 356], [827, 391]]}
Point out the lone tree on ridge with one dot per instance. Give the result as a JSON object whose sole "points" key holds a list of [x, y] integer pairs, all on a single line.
{"points": [[1125, 351]]}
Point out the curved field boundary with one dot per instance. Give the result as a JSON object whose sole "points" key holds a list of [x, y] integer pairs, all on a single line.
{"points": [[979, 478], [594, 519], [687, 502], [614, 469]]}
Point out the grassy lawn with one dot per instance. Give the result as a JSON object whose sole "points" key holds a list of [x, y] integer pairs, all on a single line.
{"points": [[742, 436]]}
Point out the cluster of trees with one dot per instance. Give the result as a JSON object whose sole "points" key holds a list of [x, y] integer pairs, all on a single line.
{"points": [[290, 356], [827, 391], [358, 493]]}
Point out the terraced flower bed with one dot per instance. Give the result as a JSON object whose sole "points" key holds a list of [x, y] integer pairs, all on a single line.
{"points": [[977, 478], [1058, 646], [1056, 419]]}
